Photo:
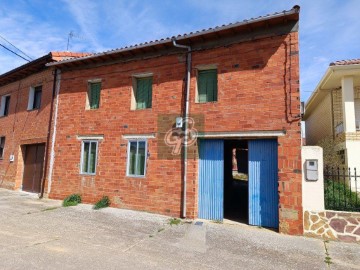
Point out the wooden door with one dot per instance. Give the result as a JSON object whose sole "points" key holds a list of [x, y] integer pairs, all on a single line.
{"points": [[33, 167]]}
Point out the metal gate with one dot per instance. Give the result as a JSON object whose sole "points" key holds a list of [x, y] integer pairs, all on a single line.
{"points": [[211, 179], [33, 167], [263, 183]]}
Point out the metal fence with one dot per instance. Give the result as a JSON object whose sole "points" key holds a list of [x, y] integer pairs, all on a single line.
{"points": [[342, 189]]}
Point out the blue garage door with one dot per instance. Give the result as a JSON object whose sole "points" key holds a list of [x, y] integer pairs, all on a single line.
{"points": [[211, 179], [263, 183]]}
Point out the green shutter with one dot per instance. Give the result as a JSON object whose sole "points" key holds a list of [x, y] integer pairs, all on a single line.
{"points": [[143, 93], [207, 85], [140, 170], [94, 98], [132, 158], [85, 166], [92, 158]]}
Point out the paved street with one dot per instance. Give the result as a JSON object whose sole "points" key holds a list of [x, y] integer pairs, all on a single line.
{"points": [[40, 234]]}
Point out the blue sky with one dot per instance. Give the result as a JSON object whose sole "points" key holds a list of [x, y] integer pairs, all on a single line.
{"points": [[329, 29]]}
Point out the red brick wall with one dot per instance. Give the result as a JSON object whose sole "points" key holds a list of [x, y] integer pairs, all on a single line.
{"points": [[254, 83], [21, 126]]}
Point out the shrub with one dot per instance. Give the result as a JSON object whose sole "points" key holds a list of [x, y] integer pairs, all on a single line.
{"points": [[104, 202], [338, 196], [72, 200], [174, 221]]}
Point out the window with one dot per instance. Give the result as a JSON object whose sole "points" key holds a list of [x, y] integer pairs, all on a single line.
{"points": [[207, 85], [35, 98], [89, 156], [357, 113], [2, 146], [143, 93], [94, 95], [136, 165], [342, 156], [5, 105]]}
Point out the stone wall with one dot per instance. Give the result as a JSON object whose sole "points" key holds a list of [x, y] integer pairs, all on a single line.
{"points": [[333, 225]]}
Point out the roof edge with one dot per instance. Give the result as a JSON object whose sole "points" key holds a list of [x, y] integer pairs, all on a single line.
{"points": [[294, 10]]}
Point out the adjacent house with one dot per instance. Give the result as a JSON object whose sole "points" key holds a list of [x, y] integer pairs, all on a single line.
{"points": [[158, 126], [26, 95], [334, 110]]}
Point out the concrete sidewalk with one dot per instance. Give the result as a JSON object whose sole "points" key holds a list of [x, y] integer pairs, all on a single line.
{"points": [[40, 234]]}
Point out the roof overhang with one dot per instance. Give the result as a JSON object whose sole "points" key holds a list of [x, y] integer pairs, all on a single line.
{"points": [[331, 81], [264, 23], [25, 70]]}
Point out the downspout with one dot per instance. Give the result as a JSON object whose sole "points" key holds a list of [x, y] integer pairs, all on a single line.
{"points": [[186, 121], [48, 136]]}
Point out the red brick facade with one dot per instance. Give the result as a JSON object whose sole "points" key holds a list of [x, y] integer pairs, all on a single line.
{"points": [[258, 90], [22, 126]]}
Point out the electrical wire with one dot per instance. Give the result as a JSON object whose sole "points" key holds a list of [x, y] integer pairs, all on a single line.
{"points": [[16, 47], [6, 48]]}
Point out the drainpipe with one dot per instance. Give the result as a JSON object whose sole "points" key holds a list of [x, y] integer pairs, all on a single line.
{"points": [[186, 122], [48, 137]]}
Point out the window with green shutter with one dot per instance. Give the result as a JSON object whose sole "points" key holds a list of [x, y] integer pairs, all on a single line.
{"points": [[207, 85], [94, 95], [143, 93]]}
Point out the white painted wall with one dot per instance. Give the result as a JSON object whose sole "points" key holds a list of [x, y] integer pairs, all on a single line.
{"points": [[313, 191], [318, 125], [353, 160]]}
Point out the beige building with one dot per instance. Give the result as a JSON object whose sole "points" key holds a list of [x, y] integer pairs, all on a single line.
{"points": [[334, 110]]}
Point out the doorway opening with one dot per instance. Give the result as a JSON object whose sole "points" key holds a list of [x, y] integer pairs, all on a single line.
{"points": [[236, 180]]}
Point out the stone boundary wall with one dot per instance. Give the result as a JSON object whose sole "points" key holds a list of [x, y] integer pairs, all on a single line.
{"points": [[332, 225]]}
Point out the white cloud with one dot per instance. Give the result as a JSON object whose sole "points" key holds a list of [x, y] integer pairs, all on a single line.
{"points": [[34, 38]]}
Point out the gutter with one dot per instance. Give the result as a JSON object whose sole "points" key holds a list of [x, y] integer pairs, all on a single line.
{"points": [[186, 115]]}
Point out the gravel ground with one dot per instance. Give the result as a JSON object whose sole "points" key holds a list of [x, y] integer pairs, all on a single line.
{"points": [[40, 234]]}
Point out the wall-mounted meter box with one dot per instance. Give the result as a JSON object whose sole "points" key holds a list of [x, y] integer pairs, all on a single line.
{"points": [[311, 170], [179, 122]]}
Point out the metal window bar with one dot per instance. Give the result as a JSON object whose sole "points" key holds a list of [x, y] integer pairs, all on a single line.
{"points": [[341, 189]]}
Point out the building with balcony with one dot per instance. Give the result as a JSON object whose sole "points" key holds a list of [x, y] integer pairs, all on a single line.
{"points": [[334, 110]]}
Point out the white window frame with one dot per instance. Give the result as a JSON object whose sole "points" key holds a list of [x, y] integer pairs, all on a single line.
{"points": [[82, 156], [30, 106], [137, 150], [2, 104]]}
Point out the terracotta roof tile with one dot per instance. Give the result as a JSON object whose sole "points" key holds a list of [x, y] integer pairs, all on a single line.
{"points": [[60, 56], [295, 9], [346, 62]]}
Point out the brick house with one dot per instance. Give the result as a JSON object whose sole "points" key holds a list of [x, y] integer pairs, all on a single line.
{"points": [[25, 104], [122, 116]]}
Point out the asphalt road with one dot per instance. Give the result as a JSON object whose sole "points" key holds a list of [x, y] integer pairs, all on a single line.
{"points": [[40, 234]]}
